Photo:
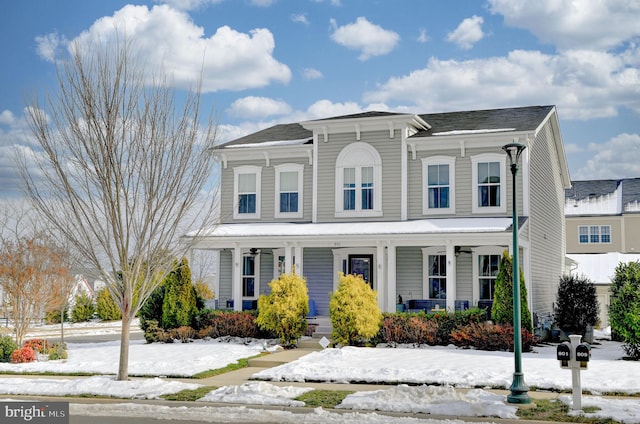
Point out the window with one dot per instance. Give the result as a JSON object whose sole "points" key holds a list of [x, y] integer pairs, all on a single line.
{"points": [[289, 184], [248, 276], [591, 234], [489, 183], [437, 276], [247, 182], [487, 273], [358, 181], [438, 182]]}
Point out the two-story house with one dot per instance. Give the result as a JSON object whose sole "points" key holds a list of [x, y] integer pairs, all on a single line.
{"points": [[603, 229], [418, 204]]}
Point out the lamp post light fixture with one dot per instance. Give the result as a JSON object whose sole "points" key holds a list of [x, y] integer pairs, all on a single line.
{"points": [[518, 387]]}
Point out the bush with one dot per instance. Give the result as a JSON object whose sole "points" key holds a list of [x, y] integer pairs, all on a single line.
{"points": [[502, 308], [413, 329], [184, 334], [489, 336], [7, 346], [53, 317], [576, 305], [285, 309], [216, 324], [179, 305], [41, 345], [354, 311], [151, 310], [83, 308], [58, 351], [106, 307], [23, 355], [624, 312]]}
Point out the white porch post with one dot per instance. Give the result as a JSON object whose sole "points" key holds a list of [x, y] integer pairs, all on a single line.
{"points": [[236, 279], [451, 276], [381, 277], [298, 252], [391, 278], [288, 259]]}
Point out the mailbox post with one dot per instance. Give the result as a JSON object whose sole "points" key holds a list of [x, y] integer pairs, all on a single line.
{"points": [[574, 356]]}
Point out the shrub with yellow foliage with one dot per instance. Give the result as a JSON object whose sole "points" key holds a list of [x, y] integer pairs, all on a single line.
{"points": [[285, 309], [354, 311]]}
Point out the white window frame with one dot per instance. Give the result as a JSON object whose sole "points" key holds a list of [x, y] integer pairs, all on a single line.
{"points": [[589, 233], [358, 155], [438, 160], [256, 275], [277, 254], [479, 251], [289, 167], [426, 252], [482, 158], [247, 169]]}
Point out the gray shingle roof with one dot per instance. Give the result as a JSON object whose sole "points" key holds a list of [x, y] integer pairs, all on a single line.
{"points": [[594, 188], [519, 119]]}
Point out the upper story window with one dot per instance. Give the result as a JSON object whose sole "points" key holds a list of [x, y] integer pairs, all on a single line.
{"points": [[438, 196], [289, 191], [358, 181], [246, 187], [594, 234], [489, 183]]}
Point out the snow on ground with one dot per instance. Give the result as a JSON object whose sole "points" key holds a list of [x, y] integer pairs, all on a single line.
{"points": [[446, 366]]}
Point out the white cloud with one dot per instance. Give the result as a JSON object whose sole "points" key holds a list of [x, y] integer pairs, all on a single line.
{"points": [[370, 39], [48, 46], [582, 84], [311, 73], [7, 117], [423, 37], [616, 158], [229, 60], [300, 18], [592, 24], [188, 4], [258, 107], [468, 33]]}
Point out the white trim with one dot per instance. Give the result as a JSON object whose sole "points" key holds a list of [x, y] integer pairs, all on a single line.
{"points": [[241, 170], [426, 252], [314, 180], [483, 158], [475, 283], [256, 276], [439, 160], [289, 167], [340, 255], [358, 155]]}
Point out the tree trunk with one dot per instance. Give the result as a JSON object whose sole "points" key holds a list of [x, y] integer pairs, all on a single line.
{"points": [[123, 367]]}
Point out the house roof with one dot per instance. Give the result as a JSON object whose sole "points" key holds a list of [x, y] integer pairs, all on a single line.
{"points": [[493, 120], [508, 119], [612, 196]]}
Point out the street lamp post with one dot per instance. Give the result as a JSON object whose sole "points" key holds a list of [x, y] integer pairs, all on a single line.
{"points": [[518, 387]]}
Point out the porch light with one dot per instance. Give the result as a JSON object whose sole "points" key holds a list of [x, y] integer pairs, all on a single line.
{"points": [[518, 387]]}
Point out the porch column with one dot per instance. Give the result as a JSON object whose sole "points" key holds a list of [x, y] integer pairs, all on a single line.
{"points": [[288, 258], [297, 253], [381, 276], [391, 278], [236, 279], [451, 276]]}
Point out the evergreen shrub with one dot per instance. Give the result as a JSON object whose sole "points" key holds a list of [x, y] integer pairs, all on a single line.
{"points": [[7, 346], [285, 309], [179, 304], [576, 307], [83, 308], [624, 312], [106, 307], [23, 355], [502, 308], [490, 336], [354, 311]]}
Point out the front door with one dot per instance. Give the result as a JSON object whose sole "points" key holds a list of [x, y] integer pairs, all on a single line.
{"points": [[362, 265]]}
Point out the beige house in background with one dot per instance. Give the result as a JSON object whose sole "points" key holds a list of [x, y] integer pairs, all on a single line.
{"points": [[603, 229]]}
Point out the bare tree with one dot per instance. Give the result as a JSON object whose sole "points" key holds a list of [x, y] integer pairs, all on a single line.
{"points": [[28, 266], [124, 161]]}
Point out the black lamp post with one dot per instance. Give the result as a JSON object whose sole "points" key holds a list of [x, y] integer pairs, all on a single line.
{"points": [[518, 387]]}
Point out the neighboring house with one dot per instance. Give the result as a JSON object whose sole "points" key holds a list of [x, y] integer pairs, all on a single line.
{"points": [[420, 205], [603, 229]]}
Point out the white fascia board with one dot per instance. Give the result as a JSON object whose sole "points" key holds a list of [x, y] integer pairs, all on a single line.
{"points": [[274, 152], [475, 140], [376, 123]]}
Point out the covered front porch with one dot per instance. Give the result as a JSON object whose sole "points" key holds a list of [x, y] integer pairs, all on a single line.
{"points": [[425, 264]]}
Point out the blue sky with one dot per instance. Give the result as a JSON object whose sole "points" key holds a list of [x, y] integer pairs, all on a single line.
{"points": [[275, 61]]}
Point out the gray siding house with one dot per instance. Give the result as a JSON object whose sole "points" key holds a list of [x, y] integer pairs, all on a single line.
{"points": [[419, 204]]}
